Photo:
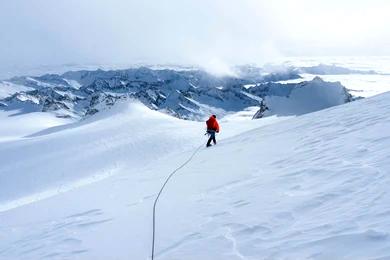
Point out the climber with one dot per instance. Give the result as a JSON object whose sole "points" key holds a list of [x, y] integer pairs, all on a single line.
{"points": [[212, 128]]}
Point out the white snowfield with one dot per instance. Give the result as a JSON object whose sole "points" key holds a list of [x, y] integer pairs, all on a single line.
{"points": [[310, 96], [14, 125], [309, 187], [7, 89]]}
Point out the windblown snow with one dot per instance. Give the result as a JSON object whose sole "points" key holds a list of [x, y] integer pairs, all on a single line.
{"points": [[314, 186]]}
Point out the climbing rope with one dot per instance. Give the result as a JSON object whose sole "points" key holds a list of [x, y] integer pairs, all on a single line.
{"points": [[161, 190]]}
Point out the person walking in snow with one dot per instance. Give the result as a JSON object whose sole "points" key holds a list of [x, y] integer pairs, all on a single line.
{"points": [[212, 128]]}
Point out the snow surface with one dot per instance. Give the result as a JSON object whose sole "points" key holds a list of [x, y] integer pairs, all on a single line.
{"points": [[307, 187], [8, 89], [308, 97], [14, 126]]}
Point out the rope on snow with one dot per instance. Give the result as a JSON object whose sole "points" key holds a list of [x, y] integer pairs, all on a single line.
{"points": [[161, 190]]}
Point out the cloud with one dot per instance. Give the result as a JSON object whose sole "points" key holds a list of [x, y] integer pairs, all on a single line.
{"points": [[187, 31]]}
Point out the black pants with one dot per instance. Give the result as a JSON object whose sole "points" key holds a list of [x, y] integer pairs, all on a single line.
{"points": [[212, 137]]}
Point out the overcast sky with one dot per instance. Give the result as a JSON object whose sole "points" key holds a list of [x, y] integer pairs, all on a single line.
{"points": [[37, 32]]}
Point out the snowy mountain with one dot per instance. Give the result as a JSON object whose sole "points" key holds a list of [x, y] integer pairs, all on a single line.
{"points": [[324, 69], [187, 94], [299, 98], [308, 187], [7, 89]]}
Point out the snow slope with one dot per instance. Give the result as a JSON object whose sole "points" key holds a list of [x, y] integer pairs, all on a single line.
{"points": [[310, 187], [96, 147], [308, 97], [13, 127], [8, 89]]}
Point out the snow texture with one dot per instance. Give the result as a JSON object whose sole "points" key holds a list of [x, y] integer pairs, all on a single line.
{"points": [[308, 187]]}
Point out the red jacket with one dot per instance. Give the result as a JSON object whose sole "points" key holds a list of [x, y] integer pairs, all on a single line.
{"points": [[212, 124]]}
